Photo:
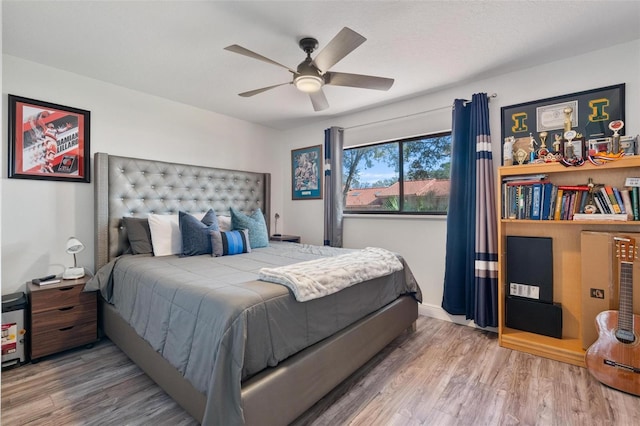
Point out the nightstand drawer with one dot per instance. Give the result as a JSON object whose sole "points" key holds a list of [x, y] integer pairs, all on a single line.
{"points": [[63, 338], [60, 297], [63, 317]]}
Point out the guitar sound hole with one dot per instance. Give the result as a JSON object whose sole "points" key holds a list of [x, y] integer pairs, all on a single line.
{"points": [[625, 337]]}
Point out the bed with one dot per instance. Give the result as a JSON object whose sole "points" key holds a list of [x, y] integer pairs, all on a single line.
{"points": [[290, 383]]}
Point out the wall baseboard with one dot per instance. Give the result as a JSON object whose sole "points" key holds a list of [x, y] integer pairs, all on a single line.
{"points": [[437, 312]]}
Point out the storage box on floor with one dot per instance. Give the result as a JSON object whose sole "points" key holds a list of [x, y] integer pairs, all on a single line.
{"points": [[14, 307], [600, 279]]}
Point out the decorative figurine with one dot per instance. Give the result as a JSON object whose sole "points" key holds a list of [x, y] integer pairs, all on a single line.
{"points": [[507, 150], [590, 206], [557, 143], [532, 148]]}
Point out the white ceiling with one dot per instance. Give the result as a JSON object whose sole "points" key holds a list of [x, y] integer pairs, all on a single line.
{"points": [[174, 49]]}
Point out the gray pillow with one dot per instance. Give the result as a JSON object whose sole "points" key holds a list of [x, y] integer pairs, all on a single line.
{"points": [[139, 234], [196, 239]]}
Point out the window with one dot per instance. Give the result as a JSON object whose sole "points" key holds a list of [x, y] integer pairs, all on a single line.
{"points": [[410, 176]]}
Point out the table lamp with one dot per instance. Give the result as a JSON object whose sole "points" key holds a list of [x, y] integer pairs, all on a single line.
{"points": [[74, 246], [276, 234]]}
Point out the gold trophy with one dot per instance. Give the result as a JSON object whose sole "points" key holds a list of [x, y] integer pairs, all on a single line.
{"points": [[567, 118], [543, 151]]}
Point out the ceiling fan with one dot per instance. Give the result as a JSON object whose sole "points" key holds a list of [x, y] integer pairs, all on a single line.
{"points": [[312, 74]]}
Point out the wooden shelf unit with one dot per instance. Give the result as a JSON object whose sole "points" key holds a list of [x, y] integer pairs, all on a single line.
{"points": [[567, 274]]}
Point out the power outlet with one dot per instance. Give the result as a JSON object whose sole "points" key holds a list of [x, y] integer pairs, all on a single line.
{"points": [[597, 293]]}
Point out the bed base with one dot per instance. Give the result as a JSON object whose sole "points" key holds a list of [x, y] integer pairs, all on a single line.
{"points": [[278, 395]]}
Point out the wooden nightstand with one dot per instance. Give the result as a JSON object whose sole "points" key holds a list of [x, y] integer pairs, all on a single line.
{"points": [[62, 316], [287, 238]]}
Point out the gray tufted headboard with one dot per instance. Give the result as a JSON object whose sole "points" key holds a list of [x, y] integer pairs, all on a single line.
{"points": [[126, 186]]}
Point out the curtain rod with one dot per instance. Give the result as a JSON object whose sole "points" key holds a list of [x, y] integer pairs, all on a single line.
{"points": [[491, 96]]}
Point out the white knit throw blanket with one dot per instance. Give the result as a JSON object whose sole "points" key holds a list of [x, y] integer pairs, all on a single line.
{"points": [[320, 277]]}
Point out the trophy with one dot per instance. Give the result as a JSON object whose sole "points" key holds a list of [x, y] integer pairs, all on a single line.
{"points": [[543, 151], [567, 118], [520, 156], [569, 152], [532, 148], [616, 126]]}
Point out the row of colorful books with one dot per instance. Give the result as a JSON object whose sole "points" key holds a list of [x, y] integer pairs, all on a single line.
{"points": [[535, 198]]}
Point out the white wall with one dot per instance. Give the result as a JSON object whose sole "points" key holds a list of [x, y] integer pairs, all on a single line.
{"points": [[39, 216], [422, 240]]}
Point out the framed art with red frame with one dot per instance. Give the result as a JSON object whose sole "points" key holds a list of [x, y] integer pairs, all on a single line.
{"points": [[48, 141]]}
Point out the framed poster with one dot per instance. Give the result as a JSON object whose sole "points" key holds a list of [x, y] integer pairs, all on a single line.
{"points": [[590, 113], [306, 173], [48, 141]]}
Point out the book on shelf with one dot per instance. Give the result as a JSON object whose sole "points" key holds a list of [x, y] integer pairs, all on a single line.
{"points": [[597, 199], [616, 193], [558, 207], [547, 200], [599, 216], [613, 203], [626, 200], [540, 176], [536, 200], [540, 199]]}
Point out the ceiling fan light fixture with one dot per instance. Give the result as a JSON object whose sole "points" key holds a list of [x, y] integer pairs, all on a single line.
{"points": [[308, 83]]}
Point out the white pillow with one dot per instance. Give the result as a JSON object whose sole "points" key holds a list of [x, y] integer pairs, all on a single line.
{"points": [[165, 233], [224, 222]]}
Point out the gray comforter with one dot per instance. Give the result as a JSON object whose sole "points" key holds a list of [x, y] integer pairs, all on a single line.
{"points": [[218, 325]]}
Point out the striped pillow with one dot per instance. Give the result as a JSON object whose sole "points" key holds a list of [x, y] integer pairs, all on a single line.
{"points": [[230, 242]]}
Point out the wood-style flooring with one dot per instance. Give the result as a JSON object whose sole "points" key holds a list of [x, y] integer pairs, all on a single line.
{"points": [[442, 374]]}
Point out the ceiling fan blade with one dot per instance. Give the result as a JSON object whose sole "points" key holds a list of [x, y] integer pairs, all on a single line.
{"points": [[340, 46], [319, 100], [358, 80], [256, 91], [246, 52]]}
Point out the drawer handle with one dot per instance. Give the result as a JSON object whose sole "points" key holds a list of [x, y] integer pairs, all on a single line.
{"points": [[65, 288], [66, 328], [68, 308]]}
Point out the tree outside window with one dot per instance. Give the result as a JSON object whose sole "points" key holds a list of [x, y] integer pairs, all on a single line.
{"points": [[405, 176]]}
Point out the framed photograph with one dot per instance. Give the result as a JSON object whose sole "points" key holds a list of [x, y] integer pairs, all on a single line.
{"points": [[590, 113], [48, 141], [306, 173]]}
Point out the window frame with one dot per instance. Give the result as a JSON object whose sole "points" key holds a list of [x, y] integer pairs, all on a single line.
{"points": [[401, 198]]}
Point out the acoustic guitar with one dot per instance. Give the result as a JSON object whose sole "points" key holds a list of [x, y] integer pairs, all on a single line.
{"points": [[614, 359]]}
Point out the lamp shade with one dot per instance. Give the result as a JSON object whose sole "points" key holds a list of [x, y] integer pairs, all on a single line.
{"points": [[74, 245], [308, 83]]}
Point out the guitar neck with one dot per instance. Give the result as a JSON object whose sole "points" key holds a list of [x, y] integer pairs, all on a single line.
{"points": [[625, 318]]}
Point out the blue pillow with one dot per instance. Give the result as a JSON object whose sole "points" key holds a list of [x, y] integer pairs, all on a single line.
{"points": [[230, 242], [195, 233], [258, 234]]}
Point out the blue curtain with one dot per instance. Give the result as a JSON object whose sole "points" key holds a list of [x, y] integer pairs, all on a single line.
{"points": [[470, 281]]}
